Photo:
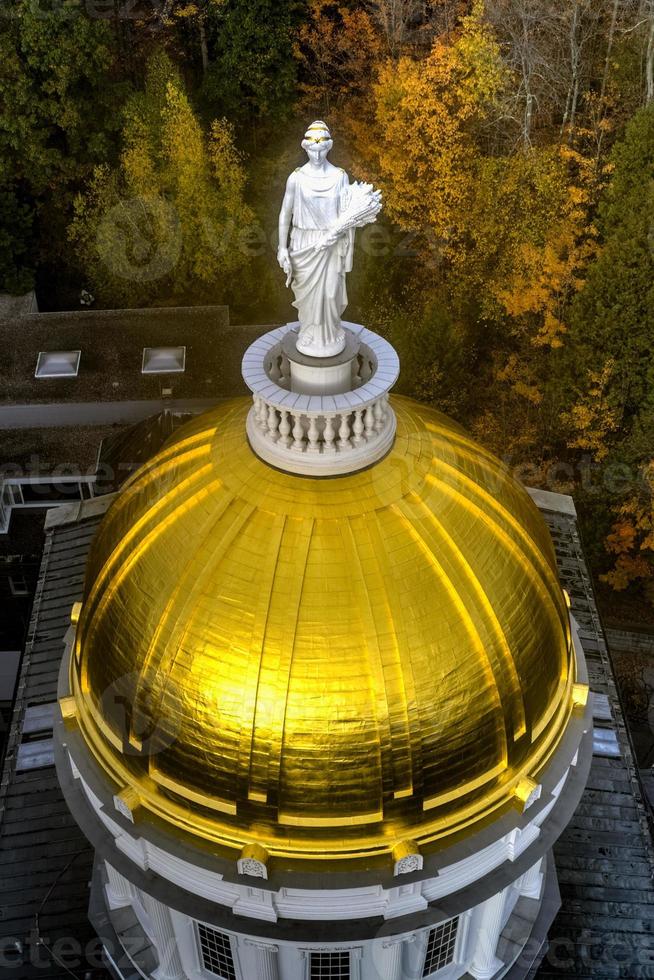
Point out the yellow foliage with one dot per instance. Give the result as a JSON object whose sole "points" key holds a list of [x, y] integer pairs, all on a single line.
{"points": [[554, 244], [423, 142], [512, 229], [632, 539], [593, 420], [186, 191]]}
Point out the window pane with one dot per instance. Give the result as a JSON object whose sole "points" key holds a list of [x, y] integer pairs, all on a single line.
{"points": [[440, 947], [330, 966], [217, 955]]}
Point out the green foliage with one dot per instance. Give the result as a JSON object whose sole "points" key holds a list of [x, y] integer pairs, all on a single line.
{"points": [[614, 312], [57, 109], [56, 102], [252, 73], [163, 226], [16, 221], [612, 327]]}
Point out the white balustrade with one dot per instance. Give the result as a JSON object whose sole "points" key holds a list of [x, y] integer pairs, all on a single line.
{"points": [[315, 433]]}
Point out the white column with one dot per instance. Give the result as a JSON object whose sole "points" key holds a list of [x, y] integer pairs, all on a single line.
{"points": [[264, 958], [119, 889], [164, 938], [532, 881], [414, 949], [486, 929], [387, 959]]}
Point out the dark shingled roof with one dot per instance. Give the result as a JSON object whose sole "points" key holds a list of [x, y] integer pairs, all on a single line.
{"points": [[604, 858], [112, 342], [38, 836]]}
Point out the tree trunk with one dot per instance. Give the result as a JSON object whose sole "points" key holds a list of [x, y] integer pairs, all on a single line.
{"points": [[203, 43], [609, 49], [569, 116], [605, 76], [526, 77], [649, 59]]}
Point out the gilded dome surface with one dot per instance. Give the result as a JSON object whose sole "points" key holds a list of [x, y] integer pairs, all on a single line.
{"points": [[324, 667]]}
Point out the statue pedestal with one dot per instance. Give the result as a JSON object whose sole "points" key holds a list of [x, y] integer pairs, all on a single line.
{"points": [[320, 416], [322, 375]]}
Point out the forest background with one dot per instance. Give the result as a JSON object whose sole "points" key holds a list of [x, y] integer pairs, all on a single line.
{"points": [[144, 146]]}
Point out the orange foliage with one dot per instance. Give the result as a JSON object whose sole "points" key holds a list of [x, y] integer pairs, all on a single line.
{"points": [[632, 539], [338, 50]]}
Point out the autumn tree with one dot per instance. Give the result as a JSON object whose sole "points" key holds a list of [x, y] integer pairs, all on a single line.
{"points": [[631, 540], [165, 224], [339, 50], [502, 225], [610, 351]]}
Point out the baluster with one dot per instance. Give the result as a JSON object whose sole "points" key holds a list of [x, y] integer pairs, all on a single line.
{"points": [[298, 435], [366, 369], [379, 415], [273, 424], [358, 427], [314, 433], [344, 433], [329, 435], [370, 422], [285, 429], [274, 373]]}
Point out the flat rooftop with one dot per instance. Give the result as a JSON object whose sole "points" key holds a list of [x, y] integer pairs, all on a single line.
{"points": [[111, 344]]}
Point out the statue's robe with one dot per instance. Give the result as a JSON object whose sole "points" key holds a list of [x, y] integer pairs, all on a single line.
{"points": [[318, 278]]}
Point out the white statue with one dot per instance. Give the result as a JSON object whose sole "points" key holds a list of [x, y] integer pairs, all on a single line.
{"points": [[321, 209]]}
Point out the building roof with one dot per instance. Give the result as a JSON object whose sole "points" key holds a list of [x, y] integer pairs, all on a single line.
{"points": [[327, 667], [111, 344], [605, 857], [41, 846]]}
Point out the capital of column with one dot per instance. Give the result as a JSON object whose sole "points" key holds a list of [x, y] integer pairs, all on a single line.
{"points": [[264, 957], [532, 881], [387, 959], [118, 889]]}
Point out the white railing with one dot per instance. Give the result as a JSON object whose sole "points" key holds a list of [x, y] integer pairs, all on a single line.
{"points": [[320, 434], [12, 493]]}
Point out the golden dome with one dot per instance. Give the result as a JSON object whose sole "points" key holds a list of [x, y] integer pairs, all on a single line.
{"points": [[324, 667]]}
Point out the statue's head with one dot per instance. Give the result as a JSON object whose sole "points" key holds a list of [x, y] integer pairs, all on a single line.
{"points": [[317, 141]]}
